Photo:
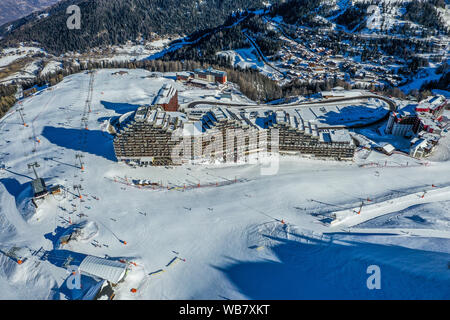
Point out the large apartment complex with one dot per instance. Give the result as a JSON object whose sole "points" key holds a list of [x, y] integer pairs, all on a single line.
{"points": [[152, 136]]}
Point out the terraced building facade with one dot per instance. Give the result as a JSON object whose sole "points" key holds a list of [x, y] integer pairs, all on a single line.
{"points": [[151, 136]]}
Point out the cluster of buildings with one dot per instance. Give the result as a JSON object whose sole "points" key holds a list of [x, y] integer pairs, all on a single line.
{"points": [[321, 65], [159, 135], [422, 123], [203, 77], [301, 63], [309, 55], [153, 136], [326, 66]]}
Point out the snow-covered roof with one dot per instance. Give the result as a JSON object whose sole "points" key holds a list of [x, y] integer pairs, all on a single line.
{"points": [[432, 102], [389, 148], [141, 113], [110, 270], [166, 93], [429, 136], [420, 143], [125, 117], [211, 71], [193, 128], [341, 135], [332, 93], [184, 74], [408, 110], [154, 117]]}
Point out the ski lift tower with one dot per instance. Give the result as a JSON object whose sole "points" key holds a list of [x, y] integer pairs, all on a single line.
{"points": [[84, 121], [22, 116], [79, 157], [78, 188]]}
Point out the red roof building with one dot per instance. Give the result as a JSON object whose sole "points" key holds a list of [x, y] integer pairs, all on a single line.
{"points": [[434, 105], [167, 98], [211, 75]]}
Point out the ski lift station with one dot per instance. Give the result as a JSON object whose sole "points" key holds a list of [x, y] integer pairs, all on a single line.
{"points": [[39, 188], [113, 271]]}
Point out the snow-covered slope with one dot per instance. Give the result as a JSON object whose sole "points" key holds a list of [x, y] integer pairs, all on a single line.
{"points": [[228, 240]]}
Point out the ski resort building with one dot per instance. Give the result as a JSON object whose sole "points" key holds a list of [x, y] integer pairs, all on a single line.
{"points": [[112, 271], [103, 290], [404, 122], [433, 105], [211, 75], [298, 137], [144, 136], [39, 188], [422, 122], [420, 148], [184, 76], [412, 119], [385, 148], [336, 92], [151, 136], [167, 98]]}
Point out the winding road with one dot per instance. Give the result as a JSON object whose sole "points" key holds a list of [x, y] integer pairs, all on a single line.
{"points": [[392, 107], [262, 57]]}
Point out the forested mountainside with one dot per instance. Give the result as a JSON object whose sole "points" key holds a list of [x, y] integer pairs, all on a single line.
{"points": [[402, 28], [112, 22], [378, 43]]}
